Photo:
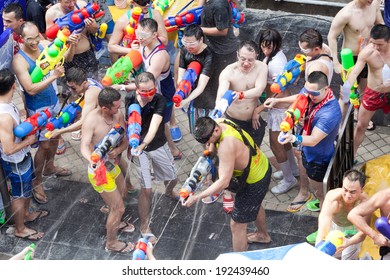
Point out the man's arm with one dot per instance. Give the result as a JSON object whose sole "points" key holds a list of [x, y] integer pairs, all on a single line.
{"points": [[161, 30], [87, 129], [7, 137], [50, 16], [224, 82], [158, 62], [379, 18], [116, 37], [213, 31], [154, 124], [326, 216], [114, 153]]}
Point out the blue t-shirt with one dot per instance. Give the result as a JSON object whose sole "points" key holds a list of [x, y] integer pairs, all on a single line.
{"points": [[327, 119], [386, 13]]}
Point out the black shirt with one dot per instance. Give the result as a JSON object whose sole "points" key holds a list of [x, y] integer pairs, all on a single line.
{"points": [[155, 106], [205, 58]]}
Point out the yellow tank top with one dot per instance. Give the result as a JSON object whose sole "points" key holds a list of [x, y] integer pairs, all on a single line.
{"points": [[259, 163]]}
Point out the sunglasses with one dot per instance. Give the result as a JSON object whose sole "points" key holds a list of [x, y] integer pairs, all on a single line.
{"points": [[190, 44], [147, 93], [313, 92], [204, 139], [143, 35], [305, 51]]}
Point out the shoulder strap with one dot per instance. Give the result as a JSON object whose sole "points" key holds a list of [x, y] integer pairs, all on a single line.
{"points": [[244, 139], [320, 55]]}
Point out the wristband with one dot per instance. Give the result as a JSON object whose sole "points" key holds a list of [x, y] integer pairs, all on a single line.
{"points": [[298, 139], [240, 95]]}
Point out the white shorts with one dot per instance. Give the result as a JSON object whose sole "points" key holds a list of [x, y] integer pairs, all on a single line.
{"points": [[163, 166], [275, 117]]}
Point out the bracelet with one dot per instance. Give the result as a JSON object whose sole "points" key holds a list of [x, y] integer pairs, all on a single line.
{"points": [[240, 95]]}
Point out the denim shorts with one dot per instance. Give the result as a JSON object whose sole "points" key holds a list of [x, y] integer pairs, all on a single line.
{"points": [[315, 171], [21, 175]]}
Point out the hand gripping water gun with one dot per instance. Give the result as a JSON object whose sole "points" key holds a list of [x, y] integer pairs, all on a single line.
{"points": [[187, 83], [120, 70], [140, 249], [333, 240], [162, 5], [237, 16], [130, 35], [65, 117], [383, 226], [50, 56], [222, 105], [109, 142], [32, 124], [134, 125], [290, 73], [28, 255], [184, 19], [348, 63], [201, 169], [295, 112], [97, 39], [74, 20]]}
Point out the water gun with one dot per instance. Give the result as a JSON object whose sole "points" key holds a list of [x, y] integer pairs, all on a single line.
{"points": [[74, 20], [162, 5], [295, 112], [140, 249], [237, 16], [201, 169], [222, 105], [120, 70], [32, 124], [109, 142], [187, 83], [184, 19], [97, 39], [129, 34], [383, 226], [134, 125], [50, 56], [348, 63], [65, 117], [333, 240], [290, 73], [28, 255]]}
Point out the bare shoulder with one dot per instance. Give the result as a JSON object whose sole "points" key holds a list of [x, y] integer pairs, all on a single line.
{"points": [[333, 195]]}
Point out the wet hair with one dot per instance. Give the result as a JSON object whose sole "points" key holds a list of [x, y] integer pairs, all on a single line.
{"points": [[193, 30], [203, 129], [7, 80], [28, 25], [144, 78], [149, 23], [76, 75], [319, 78], [142, 3], [380, 31], [250, 45], [354, 175], [16, 8], [107, 96], [270, 37], [312, 37]]}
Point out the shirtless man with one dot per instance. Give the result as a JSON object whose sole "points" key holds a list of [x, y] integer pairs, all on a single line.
{"points": [[333, 216], [95, 127], [354, 21], [117, 46], [376, 95], [360, 216], [80, 53]]}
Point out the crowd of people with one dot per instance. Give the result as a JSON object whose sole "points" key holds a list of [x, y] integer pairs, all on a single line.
{"points": [[247, 68]]}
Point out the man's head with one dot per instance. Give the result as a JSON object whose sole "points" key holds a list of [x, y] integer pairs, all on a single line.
{"points": [[143, 4], [317, 86], [193, 38], [147, 31], [353, 183], [206, 130], [270, 43], [67, 5], [380, 36], [30, 35], [247, 54], [76, 79], [13, 17], [7, 81], [109, 100], [146, 86], [310, 42]]}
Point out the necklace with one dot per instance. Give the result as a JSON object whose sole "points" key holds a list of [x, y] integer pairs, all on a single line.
{"points": [[109, 123]]}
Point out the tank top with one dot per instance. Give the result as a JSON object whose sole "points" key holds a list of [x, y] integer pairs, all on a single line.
{"points": [[46, 97], [259, 162], [327, 63], [94, 83], [10, 108]]}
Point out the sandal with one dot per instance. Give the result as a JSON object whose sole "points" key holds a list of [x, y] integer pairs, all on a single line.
{"points": [[371, 126], [228, 204], [212, 198], [76, 135], [38, 197], [61, 149]]}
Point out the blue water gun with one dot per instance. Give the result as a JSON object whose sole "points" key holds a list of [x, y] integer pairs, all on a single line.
{"points": [[134, 125], [222, 104], [140, 249]]}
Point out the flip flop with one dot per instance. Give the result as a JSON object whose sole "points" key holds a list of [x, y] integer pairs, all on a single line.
{"points": [[40, 201], [129, 228], [373, 126], [127, 248], [213, 198], [59, 172], [61, 149], [42, 213], [30, 236], [313, 205], [300, 204]]}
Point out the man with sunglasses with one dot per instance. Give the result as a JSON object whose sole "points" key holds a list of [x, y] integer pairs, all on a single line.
{"points": [[241, 161], [115, 44], [153, 149], [320, 129]]}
